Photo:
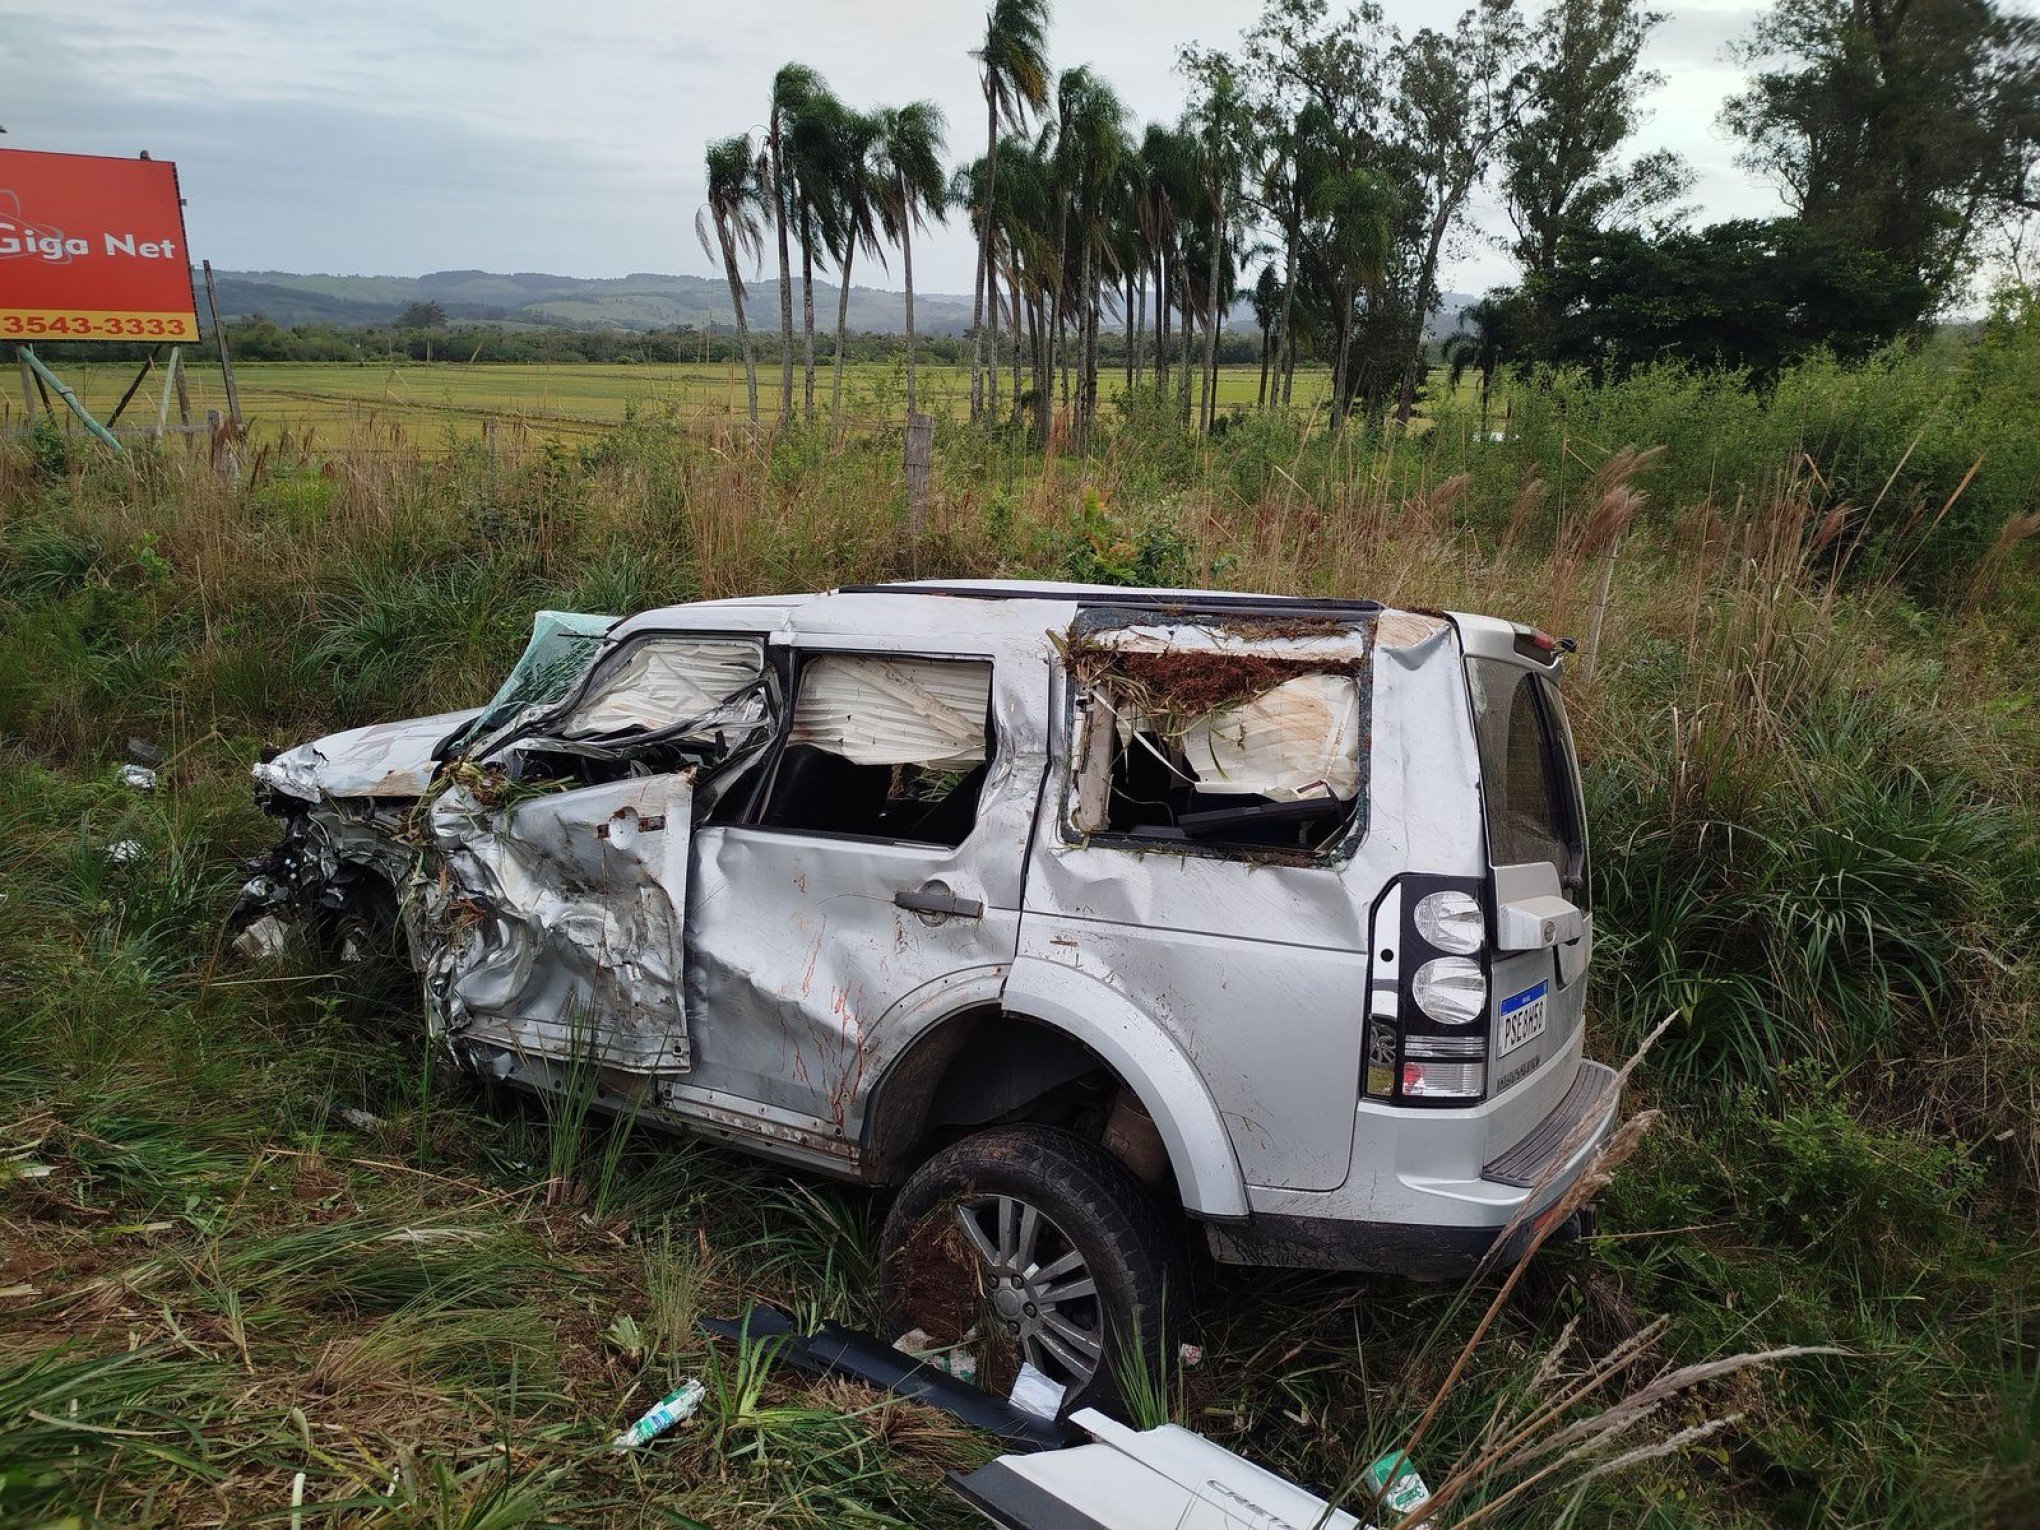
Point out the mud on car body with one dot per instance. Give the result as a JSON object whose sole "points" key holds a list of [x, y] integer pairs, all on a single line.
{"points": [[1075, 913]]}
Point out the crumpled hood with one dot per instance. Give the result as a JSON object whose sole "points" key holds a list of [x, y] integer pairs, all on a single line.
{"points": [[383, 760]]}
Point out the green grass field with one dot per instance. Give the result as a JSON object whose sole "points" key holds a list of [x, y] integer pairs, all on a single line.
{"points": [[265, 1259], [429, 401]]}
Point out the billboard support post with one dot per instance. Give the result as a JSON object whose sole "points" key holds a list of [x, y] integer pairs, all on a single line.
{"points": [[212, 303], [27, 386], [172, 372], [119, 409], [45, 375]]}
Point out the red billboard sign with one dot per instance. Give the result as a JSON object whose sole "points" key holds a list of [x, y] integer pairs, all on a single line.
{"points": [[92, 249]]}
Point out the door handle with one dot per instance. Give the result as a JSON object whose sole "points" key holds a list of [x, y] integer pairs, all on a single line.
{"points": [[939, 902]]}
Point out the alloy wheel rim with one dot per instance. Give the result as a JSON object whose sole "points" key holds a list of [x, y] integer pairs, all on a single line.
{"points": [[1040, 1287]]}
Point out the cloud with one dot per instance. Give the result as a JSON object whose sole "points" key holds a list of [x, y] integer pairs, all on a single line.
{"points": [[386, 136]]}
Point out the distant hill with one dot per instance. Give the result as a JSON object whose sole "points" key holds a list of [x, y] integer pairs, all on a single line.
{"points": [[642, 301]]}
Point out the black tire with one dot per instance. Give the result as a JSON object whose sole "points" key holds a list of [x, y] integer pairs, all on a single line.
{"points": [[937, 1278]]}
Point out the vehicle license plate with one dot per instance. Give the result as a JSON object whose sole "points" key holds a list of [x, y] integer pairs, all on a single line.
{"points": [[1523, 1017]]}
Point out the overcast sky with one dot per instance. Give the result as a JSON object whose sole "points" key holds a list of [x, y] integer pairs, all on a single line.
{"points": [[370, 137]]}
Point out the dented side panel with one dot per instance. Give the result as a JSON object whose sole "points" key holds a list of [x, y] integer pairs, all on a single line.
{"points": [[554, 926]]}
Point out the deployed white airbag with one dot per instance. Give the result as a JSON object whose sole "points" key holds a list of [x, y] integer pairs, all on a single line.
{"points": [[1300, 739], [875, 711], [665, 681]]}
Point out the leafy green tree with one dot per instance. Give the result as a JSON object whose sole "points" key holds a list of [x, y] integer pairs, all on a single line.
{"points": [[1458, 96], [736, 199], [422, 316], [1751, 296], [1896, 126], [911, 190], [1562, 159], [1013, 70]]}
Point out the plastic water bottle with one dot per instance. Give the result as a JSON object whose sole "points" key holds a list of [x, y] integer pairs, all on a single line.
{"points": [[668, 1411]]}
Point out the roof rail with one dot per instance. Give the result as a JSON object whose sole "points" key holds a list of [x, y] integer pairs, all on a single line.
{"points": [[1158, 600]]}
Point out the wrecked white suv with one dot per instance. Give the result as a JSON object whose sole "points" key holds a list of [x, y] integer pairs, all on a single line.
{"points": [[1069, 911]]}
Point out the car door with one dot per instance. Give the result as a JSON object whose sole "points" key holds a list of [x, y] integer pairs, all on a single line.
{"points": [[555, 921], [876, 868]]}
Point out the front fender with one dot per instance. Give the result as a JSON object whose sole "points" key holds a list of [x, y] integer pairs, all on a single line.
{"points": [[1148, 1059]]}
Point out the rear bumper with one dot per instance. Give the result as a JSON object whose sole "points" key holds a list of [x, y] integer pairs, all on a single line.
{"points": [[1384, 1248], [1451, 1225]]}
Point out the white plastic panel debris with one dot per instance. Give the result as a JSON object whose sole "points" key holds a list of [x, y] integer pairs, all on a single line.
{"points": [[1299, 739], [663, 682], [881, 711], [1154, 1479], [554, 925]]}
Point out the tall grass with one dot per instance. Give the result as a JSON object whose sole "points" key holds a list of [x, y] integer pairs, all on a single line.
{"points": [[1813, 765]]}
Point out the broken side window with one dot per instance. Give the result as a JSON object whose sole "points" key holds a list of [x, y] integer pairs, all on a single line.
{"points": [[1186, 736], [885, 747]]}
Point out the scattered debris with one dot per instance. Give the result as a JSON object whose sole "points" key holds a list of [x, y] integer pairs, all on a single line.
{"points": [[958, 1362], [1395, 1483], [834, 1350], [143, 752], [265, 939], [669, 1410], [124, 852], [1036, 1392], [1163, 1479], [138, 777], [1190, 1356], [361, 1120]]}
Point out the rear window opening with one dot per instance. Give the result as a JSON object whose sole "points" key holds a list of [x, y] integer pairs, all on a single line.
{"points": [[1528, 784], [1230, 750]]}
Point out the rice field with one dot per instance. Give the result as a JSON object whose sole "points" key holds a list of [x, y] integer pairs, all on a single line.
{"points": [[573, 401]]}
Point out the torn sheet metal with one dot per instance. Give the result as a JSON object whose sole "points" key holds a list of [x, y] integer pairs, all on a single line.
{"points": [[383, 760], [1299, 739], [894, 711], [663, 681], [553, 925], [1154, 1479]]}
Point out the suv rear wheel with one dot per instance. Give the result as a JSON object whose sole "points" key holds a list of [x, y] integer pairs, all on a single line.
{"points": [[1029, 1243]]}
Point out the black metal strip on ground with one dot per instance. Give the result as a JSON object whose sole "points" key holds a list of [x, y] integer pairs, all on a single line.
{"points": [[835, 1350]]}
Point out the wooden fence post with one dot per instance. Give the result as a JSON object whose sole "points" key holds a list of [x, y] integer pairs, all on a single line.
{"points": [[919, 455]]}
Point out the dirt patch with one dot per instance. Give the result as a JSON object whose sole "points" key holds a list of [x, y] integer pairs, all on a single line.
{"points": [[942, 1293]]}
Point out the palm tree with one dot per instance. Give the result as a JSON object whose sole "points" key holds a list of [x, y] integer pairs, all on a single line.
{"points": [[1224, 127], [791, 89], [909, 163], [1357, 210], [1090, 136], [818, 141], [857, 195], [735, 200], [1013, 68], [1270, 299]]}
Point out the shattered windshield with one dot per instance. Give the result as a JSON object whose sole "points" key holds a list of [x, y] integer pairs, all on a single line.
{"points": [[563, 644]]}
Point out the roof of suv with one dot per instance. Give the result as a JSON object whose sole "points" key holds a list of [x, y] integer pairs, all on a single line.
{"points": [[999, 609]]}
